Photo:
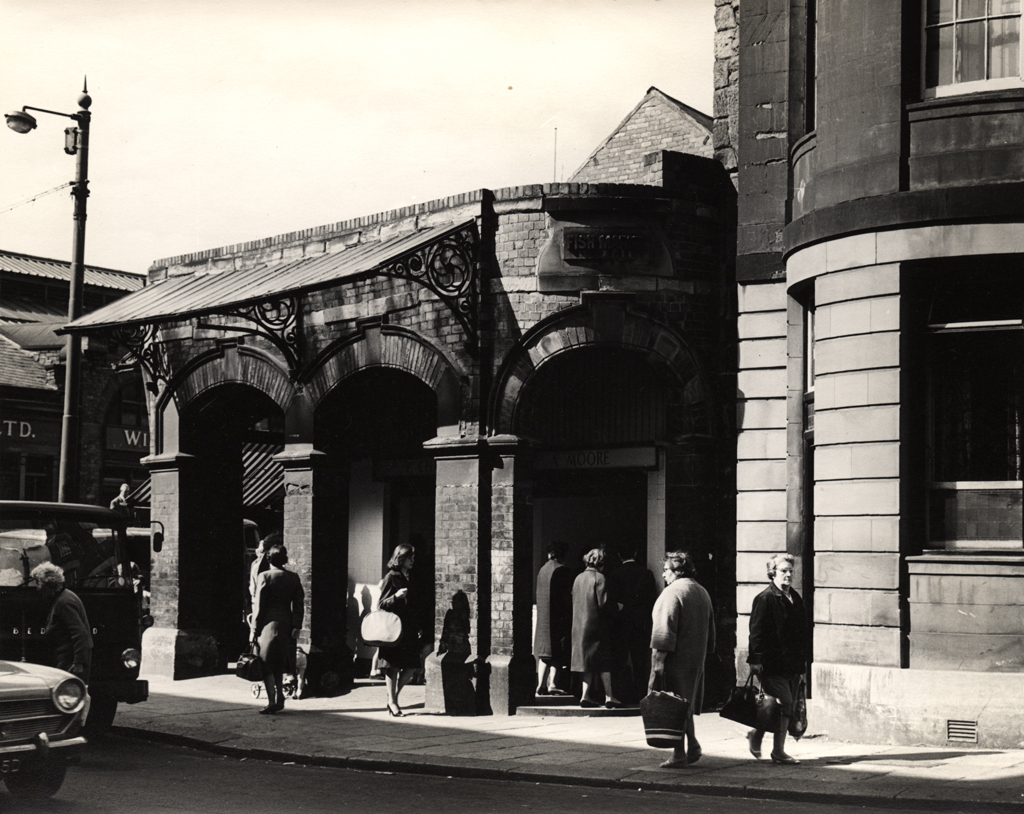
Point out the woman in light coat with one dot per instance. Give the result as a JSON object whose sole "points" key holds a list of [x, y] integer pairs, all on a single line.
{"points": [[682, 636], [592, 613]]}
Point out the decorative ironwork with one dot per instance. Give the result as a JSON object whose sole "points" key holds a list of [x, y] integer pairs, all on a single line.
{"points": [[145, 350], [276, 320], [447, 267]]}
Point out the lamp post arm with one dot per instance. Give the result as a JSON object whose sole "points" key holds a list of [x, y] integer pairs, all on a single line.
{"points": [[75, 116]]}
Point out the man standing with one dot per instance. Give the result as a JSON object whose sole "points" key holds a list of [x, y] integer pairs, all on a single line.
{"points": [[551, 640], [67, 625], [632, 585]]}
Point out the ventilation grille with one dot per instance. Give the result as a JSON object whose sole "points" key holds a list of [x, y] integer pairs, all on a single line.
{"points": [[962, 731]]}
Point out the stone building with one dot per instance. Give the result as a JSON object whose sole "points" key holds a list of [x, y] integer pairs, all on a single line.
{"points": [[114, 416], [879, 148], [479, 374]]}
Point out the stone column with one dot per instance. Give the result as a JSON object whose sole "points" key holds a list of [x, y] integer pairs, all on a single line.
{"points": [[511, 662], [170, 648]]}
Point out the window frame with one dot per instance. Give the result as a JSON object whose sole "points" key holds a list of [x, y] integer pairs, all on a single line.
{"points": [[975, 86]]}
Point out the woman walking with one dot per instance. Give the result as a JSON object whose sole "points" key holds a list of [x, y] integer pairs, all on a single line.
{"points": [[276, 623], [682, 636], [592, 613], [400, 661], [778, 649]]}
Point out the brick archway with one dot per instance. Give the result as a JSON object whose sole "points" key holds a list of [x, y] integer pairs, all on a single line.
{"points": [[233, 365], [591, 325], [390, 347]]}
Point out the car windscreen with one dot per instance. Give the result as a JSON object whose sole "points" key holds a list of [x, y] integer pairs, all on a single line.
{"points": [[91, 555]]}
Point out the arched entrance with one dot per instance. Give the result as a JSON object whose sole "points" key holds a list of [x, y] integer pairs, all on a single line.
{"points": [[372, 427], [231, 430]]}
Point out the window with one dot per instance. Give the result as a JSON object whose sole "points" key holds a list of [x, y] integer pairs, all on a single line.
{"points": [[971, 45], [976, 411]]}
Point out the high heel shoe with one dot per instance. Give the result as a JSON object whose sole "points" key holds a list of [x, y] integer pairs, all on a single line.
{"points": [[396, 712], [269, 709]]}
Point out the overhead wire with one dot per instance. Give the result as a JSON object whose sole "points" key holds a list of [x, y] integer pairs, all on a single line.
{"points": [[37, 197]]}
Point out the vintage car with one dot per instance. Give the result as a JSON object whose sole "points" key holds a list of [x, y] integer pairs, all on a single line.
{"points": [[42, 711]]}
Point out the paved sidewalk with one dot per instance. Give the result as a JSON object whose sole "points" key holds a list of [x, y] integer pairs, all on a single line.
{"points": [[354, 730]]}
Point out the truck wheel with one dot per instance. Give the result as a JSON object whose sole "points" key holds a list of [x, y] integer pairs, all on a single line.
{"points": [[101, 717], [37, 781]]}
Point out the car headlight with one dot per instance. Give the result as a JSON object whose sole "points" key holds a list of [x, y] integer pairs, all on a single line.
{"points": [[69, 695], [132, 658]]}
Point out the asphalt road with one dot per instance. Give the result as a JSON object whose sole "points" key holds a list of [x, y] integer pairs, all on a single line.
{"points": [[128, 775]]}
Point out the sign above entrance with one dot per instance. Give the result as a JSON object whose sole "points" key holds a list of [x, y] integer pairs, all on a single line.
{"points": [[618, 458]]}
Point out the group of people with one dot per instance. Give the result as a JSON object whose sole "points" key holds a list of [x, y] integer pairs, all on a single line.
{"points": [[598, 625]]}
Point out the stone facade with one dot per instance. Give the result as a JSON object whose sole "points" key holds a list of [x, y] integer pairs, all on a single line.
{"points": [[868, 206]]}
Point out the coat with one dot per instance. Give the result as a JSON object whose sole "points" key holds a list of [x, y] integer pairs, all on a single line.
{"points": [[684, 628], [277, 611], [405, 653], [552, 637], [592, 615], [67, 626], [778, 633]]}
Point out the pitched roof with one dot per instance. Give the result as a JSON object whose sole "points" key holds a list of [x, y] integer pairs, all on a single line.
{"points": [[32, 266], [34, 335], [19, 368]]}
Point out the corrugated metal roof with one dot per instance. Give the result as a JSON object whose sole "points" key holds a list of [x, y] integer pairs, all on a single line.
{"points": [[59, 270], [19, 368], [193, 295], [34, 335]]}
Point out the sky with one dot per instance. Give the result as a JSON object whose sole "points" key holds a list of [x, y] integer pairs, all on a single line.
{"points": [[222, 121]]}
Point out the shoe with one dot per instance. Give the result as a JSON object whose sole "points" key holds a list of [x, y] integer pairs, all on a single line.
{"points": [[754, 750], [613, 705], [585, 704], [543, 691], [674, 764], [693, 755], [269, 709], [396, 712], [556, 691], [784, 759]]}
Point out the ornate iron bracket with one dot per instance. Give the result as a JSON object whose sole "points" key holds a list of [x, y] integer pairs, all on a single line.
{"points": [[276, 320], [446, 267], [144, 349]]}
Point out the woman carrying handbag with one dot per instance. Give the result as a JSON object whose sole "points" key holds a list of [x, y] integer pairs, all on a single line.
{"points": [[399, 661], [778, 651]]}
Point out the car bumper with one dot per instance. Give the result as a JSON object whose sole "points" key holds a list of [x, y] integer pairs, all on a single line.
{"points": [[14, 756]]}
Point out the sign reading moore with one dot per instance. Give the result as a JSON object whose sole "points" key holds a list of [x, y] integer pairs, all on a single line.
{"points": [[620, 458]]}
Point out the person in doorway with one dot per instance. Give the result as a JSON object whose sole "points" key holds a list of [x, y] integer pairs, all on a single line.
{"points": [[683, 634], [276, 623], [120, 503], [632, 586], [551, 640], [67, 624], [399, 661], [592, 615], [777, 652]]}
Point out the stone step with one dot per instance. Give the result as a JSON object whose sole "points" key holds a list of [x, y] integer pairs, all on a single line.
{"points": [[573, 710]]}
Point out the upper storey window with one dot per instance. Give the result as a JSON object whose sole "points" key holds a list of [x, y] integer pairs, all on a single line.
{"points": [[971, 45]]}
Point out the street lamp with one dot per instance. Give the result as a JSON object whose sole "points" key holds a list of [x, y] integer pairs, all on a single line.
{"points": [[76, 143]]}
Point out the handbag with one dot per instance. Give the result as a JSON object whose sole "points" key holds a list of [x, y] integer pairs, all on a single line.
{"points": [[742, 704], [664, 716], [798, 723], [250, 665], [380, 628], [769, 711]]}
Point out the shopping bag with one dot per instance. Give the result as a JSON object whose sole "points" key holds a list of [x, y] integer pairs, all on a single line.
{"points": [[798, 723], [769, 711], [380, 628], [250, 665], [664, 716], [742, 704]]}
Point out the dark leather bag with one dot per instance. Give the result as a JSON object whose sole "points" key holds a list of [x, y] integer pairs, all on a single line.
{"points": [[250, 665], [742, 704]]}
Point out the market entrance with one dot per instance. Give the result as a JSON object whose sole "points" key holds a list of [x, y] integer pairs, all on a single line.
{"points": [[372, 427]]}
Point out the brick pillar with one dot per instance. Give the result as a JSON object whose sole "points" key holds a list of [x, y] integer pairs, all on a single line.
{"points": [[460, 499], [512, 666], [171, 647], [303, 476]]}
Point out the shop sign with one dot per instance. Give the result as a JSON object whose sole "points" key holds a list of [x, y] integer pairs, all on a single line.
{"points": [[36, 432], [618, 458], [128, 438], [604, 246]]}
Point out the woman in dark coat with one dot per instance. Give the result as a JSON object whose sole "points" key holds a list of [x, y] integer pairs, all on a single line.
{"points": [[592, 614], [554, 620], [777, 650], [276, 623], [401, 660]]}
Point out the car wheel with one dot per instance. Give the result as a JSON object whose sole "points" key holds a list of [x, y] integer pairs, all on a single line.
{"points": [[101, 717], [37, 781]]}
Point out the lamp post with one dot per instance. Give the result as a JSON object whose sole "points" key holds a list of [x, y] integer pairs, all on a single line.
{"points": [[76, 143]]}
